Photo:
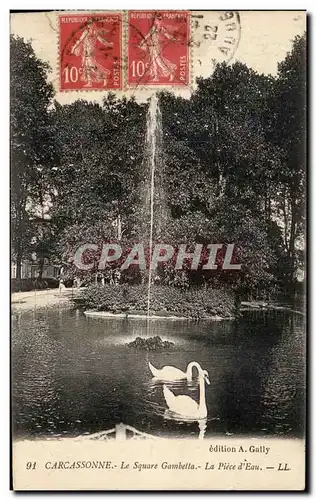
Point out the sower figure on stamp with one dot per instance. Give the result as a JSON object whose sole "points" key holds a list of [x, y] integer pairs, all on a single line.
{"points": [[153, 44], [85, 46]]}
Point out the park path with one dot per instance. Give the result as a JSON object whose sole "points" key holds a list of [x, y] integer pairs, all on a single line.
{"points": [[22, 301]]}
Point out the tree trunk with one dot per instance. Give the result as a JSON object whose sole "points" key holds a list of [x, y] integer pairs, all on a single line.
{"points": [[18, 266], [119, 227], [267, 203], [292, 240], [40, 268], [18, 247], [285, 219], [221, 184]]}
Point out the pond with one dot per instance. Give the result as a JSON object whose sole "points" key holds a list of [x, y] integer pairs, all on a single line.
{"points": [[73, 375]]}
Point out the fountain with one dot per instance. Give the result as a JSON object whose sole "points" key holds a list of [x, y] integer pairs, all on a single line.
{"points": [[153, 202], [153, 131]]}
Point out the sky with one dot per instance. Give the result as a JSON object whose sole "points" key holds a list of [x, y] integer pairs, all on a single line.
{"points": [[265, 37]]}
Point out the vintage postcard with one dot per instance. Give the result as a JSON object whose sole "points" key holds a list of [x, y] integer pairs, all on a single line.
{"points": [[158, 250]]}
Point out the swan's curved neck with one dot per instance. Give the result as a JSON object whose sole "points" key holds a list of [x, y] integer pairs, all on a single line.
{"points": [[190, 367], [194, 364], [202, 403]]}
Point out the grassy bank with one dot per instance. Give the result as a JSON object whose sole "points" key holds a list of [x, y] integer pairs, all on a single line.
{"points": [[165, 300]]}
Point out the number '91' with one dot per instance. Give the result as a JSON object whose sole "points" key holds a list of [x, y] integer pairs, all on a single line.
{"points": [[30, 465]]}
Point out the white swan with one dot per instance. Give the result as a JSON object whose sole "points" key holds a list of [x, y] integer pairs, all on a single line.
{"points": [[171, 373], [185, 406]]}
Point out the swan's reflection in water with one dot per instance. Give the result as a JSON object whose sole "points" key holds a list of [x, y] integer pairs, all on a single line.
{"points": [[191, 385], [202, 423], [157, 403]]}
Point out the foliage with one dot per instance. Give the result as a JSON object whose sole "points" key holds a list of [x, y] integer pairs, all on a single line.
{"points": [[99, 172], [288, 133], [28, 284], [194, 302], [32, 146], [151, 344], [223, 126], [229, 169]]}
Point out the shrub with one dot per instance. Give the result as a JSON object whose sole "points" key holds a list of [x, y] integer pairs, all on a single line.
{"points": [[193, 302], [29, 284]]}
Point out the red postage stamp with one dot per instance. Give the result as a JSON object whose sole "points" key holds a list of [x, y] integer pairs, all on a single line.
{"points": [[158, 48], [90, 51]]}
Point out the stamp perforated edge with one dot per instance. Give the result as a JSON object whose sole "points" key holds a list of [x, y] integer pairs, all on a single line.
{"points": [[149, 87], [124, 52], [59, 14]]}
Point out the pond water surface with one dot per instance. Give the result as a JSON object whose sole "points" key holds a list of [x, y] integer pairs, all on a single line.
{"points": [[73, 375]]}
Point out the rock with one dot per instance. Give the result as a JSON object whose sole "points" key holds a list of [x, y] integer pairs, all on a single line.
{"points": [[150, 344]]}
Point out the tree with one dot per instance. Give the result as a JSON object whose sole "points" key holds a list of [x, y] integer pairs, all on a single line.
{"points": [[220, 165], [288, 133], [98, 180], [220, 168], [32, 144]]}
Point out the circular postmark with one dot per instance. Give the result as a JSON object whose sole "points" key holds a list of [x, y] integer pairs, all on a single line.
{"points": [[215, 36], [172, 48]]}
